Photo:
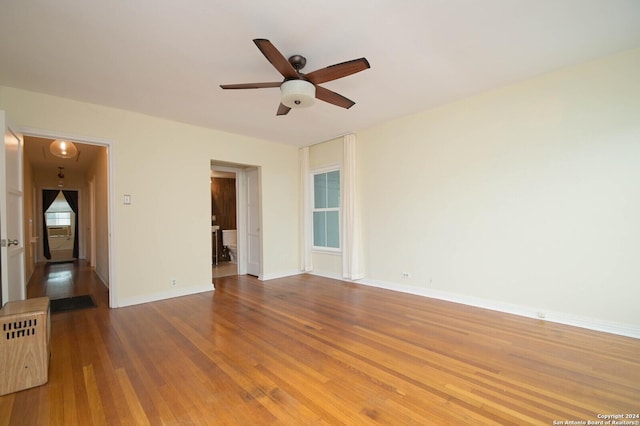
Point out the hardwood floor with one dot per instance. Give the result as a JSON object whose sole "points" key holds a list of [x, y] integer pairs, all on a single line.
{"points": [[66, 279], [310, 350]]}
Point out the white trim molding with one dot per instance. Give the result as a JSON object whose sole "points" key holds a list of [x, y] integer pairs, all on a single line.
{"points": [[523, 311], [267, 277], [176, 292]]}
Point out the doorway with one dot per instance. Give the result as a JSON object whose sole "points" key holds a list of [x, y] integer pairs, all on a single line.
{"points": [[60, 225], [224, 220], [247, 259], [71, 207]]}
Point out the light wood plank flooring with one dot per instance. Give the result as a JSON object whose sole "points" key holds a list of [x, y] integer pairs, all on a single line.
{"points": [[310, 350]]}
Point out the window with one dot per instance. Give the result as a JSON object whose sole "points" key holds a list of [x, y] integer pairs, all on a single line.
{"points": [[59, 219], [326, 210]]}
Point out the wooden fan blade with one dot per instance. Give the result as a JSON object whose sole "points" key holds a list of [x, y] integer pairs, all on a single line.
{"points": [[251, 85], [333, 98], [283, 109], [337, 71], [276, 58]]}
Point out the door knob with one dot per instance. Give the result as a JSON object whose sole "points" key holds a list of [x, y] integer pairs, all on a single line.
{"points": [[11, 242]]}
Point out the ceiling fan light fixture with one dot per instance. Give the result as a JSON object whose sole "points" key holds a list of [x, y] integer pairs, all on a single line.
{"points": [[63, 149], [297, 93]]}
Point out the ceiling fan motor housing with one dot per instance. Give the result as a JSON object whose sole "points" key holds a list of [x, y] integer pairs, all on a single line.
{"points": [[298, 62], [297, 93]]}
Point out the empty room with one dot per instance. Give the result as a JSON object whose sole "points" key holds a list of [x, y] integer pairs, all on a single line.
{"points": [[361, 212]]}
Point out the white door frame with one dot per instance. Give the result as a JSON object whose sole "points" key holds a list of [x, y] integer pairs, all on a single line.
{"points": [[110, 145], [241, 222], [254, 223]]}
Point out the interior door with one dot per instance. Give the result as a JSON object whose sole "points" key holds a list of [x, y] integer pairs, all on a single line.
{"points": [[254, 252], [11, 215]]}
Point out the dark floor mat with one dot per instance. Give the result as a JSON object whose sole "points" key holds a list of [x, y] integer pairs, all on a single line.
{"points": [[72, 304]]}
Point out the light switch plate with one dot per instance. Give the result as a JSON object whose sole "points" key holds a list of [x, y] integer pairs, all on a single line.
{"points": [[127, 200]]}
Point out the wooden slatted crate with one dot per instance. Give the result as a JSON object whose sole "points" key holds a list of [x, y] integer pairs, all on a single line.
{"points": [[24, 344]]}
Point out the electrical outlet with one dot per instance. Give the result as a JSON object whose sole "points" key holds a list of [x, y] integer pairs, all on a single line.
{"points": [[173, 283], [406, 275]]}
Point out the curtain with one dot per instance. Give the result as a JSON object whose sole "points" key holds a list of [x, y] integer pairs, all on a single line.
{"points": [[351, 241], [72, 200], [306, 260], [48, 197]]}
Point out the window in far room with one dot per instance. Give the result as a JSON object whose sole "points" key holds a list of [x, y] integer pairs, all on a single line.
{"points": [[59, 218]]}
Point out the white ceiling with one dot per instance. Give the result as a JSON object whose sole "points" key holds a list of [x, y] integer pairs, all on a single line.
{"points": [[168, 58]]}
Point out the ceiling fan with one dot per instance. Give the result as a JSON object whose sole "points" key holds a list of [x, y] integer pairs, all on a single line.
{"points": [[299, 90]]}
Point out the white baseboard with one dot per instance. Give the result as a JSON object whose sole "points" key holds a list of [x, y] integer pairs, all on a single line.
{"points": [[335, 276], [524, 311], [101, 278], [266, 277], [327, 275], [174, 292]]}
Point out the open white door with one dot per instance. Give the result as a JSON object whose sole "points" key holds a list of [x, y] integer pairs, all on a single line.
{"points": [[254, 252], [11, 215]]}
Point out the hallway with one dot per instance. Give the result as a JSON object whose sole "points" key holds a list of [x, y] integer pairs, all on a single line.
{"points": [[66, 279]]}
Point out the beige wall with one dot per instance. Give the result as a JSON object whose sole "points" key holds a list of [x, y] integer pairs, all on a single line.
{"points": [[525, 196], [326, 154], [165, 167], [100, 173]]}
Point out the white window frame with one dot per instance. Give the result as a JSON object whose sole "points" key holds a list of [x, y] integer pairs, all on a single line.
{"points": [[319, 171]]}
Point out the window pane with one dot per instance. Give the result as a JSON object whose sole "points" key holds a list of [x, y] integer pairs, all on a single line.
{"points": [[319, 229], [320, 191], [333, 229], [333, 189], [59, 219]]}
